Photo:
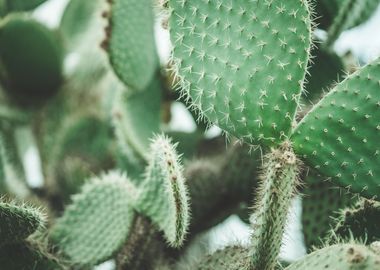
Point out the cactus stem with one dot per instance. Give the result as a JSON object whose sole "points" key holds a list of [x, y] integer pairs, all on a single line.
{"points": [[279, 180]]}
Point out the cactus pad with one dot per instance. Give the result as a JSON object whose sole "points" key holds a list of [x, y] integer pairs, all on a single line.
{"points": [[339, 136], [242, 63], [131, 45], [17, 222], [340, 256], [30, 58], [96, 224], [163, 196]]}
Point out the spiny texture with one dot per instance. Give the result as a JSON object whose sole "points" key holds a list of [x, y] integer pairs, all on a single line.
{"points": [[97, 222], [242, 63], [340, 256], [131, 45], [17, 222], [278, 182], [129, 111], [321, 202], [163, 197], [25, 256], [360, 222], [230, 258], [351, 14], [30, 59], [340, 136], [326, 11]]}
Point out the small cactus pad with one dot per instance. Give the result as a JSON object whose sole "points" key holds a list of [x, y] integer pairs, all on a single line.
{"points": [[340, 256], [242, 63], [230, 258], [131, 47], [163, 196], [340, 136], [321, 202], [136, 117], [17, 222], [97, 222], [30, 59], [360, 222]]}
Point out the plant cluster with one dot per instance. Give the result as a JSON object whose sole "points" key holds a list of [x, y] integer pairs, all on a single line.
{"points": [[119, 183]]}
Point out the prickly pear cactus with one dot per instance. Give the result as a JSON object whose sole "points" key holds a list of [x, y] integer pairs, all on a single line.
{"points": [[339, 136], [104, 207], [117, 86], [242, 63]]}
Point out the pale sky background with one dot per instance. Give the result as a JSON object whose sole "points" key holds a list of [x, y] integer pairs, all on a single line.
{"points": [[363, 41]]}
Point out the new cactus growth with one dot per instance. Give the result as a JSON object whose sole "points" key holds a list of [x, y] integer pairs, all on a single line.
{"points": [[119, 182]]}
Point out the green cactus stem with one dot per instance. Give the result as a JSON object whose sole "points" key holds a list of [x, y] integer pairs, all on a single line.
{"points": [[279, 180]]}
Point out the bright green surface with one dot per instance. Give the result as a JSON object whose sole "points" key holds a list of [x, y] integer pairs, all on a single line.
{"points": [[340, 136], [242, 62]]}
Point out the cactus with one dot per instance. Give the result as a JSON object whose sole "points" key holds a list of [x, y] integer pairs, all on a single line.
{"points": [[246, 67], [18, 222], [163, 193], [338, 137], [130, 42], [26, 76], [97, 222], [340, 256]]}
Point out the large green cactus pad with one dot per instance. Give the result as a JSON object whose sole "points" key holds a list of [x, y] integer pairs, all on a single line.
{"points": [[164, 197], [242, 62], [340, 136], [341, 256], [97, 223], [17, 222], [132, 48]]}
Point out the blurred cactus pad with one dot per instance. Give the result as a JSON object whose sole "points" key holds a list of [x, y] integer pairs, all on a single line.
{"points": [[188, 134]]}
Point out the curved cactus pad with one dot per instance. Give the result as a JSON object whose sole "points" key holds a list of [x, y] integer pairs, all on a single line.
{"points": [[163, 196], [132, 48], [242, 63], [97, 222], [340, 136], [17, 222], [341, 256]]}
